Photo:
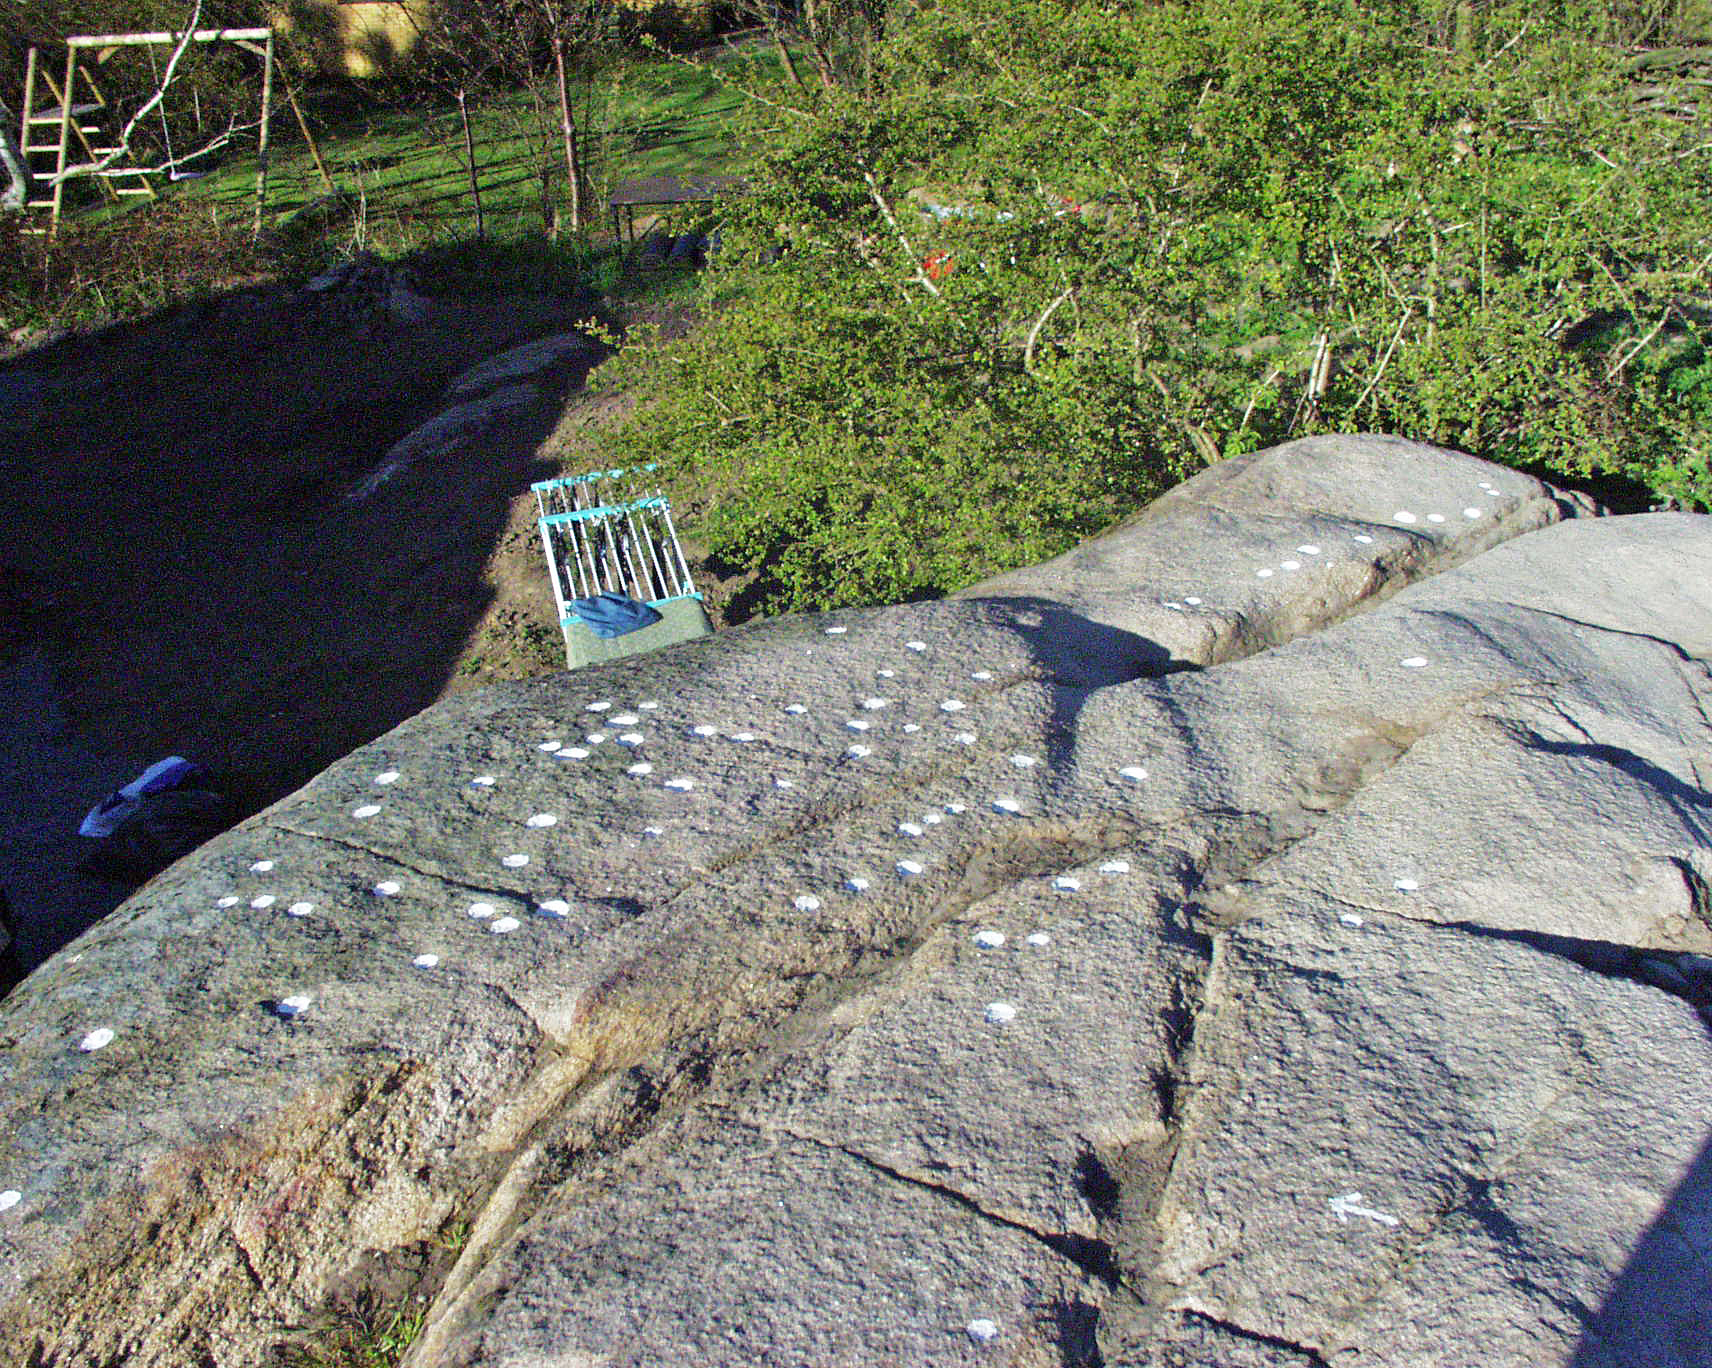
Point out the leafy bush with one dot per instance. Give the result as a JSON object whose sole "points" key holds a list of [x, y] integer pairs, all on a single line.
{"points": [[1048, 257]]}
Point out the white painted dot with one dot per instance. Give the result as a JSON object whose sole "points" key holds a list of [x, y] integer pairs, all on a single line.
{"points": [[907, 867], [261, 866], [911, 829], [1291, 564], [1471, 512], [542, 819], [982, 675], [366, 810], [1404, 516], [549, 745], [625, 720], [916, 645], [653, 831], [515, 861], [857, 724], [292, 1006], [989, 940], [836, 631], [484, 781], [1406, 885], [574, 753], [386, 777], [641, 767], [680, 785], [1064, 883], [956, 809], [595, 738], [1309, 549], [795, 709], [887, 674], [1039, 938], [1350, 919], [1007, 805], [1364, 539], [859, 752], [1025, 761], [266, 900], [1435, 517], [1265, 572], [981, 1330], [1172, 604], [599, 705], [1192, 601], [426, 961], [554, 907], [481, 911], [931, 818], [912, 727], [1000, 1012], [952, 705], [784, 783], [964, 738], [386, 889], [95, 1040], [702, 729], [505, 926], [1134, 773], [1413, 662], [631, 739], [301, 909], [228, 901], [1115, 867], [650, 705], [10, 1198], [857, 884], [806, 902], [875, 704], [742, 738]]}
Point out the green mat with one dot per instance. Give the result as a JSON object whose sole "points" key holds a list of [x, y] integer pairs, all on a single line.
{"points": [[681, 619]]}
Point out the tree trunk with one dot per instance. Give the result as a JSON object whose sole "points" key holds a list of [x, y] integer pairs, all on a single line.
{"points": [[470, 162], [568, 126], [17, 193]]}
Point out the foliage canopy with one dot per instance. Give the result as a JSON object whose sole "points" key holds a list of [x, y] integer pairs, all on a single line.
{"points": [[1027, 262]]}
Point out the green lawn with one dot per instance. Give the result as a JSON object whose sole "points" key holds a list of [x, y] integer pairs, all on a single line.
{"points": [[642, 116]]}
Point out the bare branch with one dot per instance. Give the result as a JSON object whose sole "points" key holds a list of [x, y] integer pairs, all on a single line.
{"points": [[123, 149], [1034, 332], [892, 223]]}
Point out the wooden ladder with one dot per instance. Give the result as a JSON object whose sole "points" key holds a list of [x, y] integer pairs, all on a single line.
{"points": [[48, 131]]}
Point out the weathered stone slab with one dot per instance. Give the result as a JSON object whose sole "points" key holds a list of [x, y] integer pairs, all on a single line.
{"points": [[1260, 549], [1487, 1115], [529, 363], [661, 978]]}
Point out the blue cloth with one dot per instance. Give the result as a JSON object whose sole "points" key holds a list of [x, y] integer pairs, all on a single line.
{"points": [[613, 615]]}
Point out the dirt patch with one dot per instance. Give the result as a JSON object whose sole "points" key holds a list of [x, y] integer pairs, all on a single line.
{"points": [[184, 571]]}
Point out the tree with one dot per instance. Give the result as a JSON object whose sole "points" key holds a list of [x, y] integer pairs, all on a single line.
{"points": [[1049, 257]]}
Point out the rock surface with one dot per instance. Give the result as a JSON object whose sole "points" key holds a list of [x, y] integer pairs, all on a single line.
{"points": [[1138, 960]]}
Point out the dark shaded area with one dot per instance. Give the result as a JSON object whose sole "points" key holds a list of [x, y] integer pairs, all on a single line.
{"points": [[1658, 1314], [1074, 1325], [1098, 1188], [1080, 657], [190, 574], [1668, 784]]}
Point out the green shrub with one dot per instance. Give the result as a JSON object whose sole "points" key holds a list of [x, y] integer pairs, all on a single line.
{"points": [[1152, 221]]}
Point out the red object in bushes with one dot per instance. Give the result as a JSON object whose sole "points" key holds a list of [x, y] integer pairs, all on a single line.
{"points": [[938, 264]]}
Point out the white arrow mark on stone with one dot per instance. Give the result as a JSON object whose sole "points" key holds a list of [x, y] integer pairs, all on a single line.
{"points": [[1350, 1205]]}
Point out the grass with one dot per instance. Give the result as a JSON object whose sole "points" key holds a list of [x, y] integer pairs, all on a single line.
{"points": [[403, 191], [405, 167]]}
